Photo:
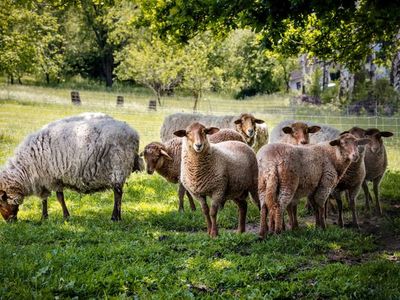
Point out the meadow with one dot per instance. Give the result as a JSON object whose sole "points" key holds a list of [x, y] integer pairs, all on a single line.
{"points": [[156, 252]]}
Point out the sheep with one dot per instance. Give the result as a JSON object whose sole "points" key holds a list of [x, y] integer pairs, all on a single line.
{"points": [[227, 170], [166, 159], [287, 173], [246, 124], [351, 180], [375, 164], [296, 132], [87, 153]]}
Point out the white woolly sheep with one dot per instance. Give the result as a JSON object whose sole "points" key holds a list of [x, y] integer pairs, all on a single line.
{"points": [[166, 159], [227, 170], [246, 124], [86, 153], [287, 173]]}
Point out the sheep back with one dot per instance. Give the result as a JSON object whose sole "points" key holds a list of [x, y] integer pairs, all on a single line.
{"points": [[87, 153]]}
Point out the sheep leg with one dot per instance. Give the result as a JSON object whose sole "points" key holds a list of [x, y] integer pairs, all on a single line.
{"points": [[191, 202], [242, 207], [213, 214], [367, 194], [376, 183], [263, 221], [292, 213], [60, 198], [351, 197], [181, 194], [206, 212], [338, 198], [45, 214], [116, 215]]}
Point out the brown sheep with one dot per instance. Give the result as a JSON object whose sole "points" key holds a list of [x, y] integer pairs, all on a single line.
{"points": [[296, 133], [227, 170], [287, 173], [375, 164], [166, 159]]}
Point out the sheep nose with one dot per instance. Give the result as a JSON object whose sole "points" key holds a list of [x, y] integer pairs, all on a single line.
{"points": [[198, 147], [250, 132], [303, 142], [150, 171]]}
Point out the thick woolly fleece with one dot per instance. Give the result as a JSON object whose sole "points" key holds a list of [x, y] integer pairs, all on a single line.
{"points": [[89, 152]]}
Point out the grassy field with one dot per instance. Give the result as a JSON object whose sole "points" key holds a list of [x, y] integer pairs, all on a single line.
{"points": [[156, 252]]}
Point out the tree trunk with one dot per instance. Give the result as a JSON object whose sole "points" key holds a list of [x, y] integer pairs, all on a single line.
{"points": [[197, 96], [395, 72], [159, 97], [346, 84], [108, 67], [47, 78]]}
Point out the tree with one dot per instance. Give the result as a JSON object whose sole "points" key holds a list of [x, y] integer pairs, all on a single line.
{"points": [[153, 63], [343, 31]]}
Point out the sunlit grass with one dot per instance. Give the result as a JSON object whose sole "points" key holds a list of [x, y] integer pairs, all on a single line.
{"points": [[157, 252]]}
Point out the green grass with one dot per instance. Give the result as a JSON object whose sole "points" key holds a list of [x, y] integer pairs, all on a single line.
{"points": [[156, 252]]}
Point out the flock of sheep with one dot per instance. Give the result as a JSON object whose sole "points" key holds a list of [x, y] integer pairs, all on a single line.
{"points": [[224, 158]]}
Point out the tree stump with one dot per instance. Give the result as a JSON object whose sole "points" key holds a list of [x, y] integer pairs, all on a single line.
{"points": [[75, 98]]}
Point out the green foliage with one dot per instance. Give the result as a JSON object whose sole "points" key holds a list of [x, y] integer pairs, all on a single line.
{"points": [[314, 88]]}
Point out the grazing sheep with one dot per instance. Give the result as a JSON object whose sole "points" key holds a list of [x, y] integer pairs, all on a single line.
{"points": [[227, 170], [87, 153], [375, 164], [287, 173], [296, 132], [246, 124], [351, 180], [166, 159]]}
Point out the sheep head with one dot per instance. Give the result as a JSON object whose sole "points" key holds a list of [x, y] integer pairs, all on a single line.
{"points": [[348, 146], [376, 136], [299, 132], [196, 135], [8, 211], [154, 154], [246, 125]]}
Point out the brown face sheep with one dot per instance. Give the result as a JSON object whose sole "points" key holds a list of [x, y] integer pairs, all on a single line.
{"points": [[351, 180], [246, 126], [227, 170], [166, 159], [375, 164], [298, 133], [287, 173]]}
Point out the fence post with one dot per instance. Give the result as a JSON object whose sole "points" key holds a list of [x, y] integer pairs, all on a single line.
{"points": [[75, 98], [120, 101]]}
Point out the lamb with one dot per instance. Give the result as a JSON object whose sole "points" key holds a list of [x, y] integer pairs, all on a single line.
{"points": [[227, 170], [166, 159], [296, 132], [375, 164], [87, 153], [287, 173], [246, 124]]}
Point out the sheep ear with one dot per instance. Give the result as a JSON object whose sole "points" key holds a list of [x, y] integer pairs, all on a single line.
{"points": [[180, 133], [164, 153], [361, 142], [238, 121], [287, 130], [258, 121], [313, 129], [211, 130], [334, 143], [386, 133], [344, 132]]}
